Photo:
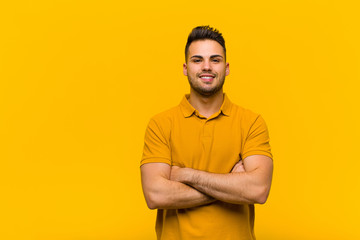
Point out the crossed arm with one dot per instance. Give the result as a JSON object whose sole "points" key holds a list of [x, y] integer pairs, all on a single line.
{"points": [[167, 187]]}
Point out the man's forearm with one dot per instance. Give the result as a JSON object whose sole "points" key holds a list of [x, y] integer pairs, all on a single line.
{"points": [[174, 195], [235, 188], [162, 193], [247, 187]]}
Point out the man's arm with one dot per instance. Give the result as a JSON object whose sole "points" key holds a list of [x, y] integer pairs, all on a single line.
{"points": [[162, 193], [251, 186]]}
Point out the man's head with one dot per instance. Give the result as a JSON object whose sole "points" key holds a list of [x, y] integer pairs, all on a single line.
{"points": [[205, 65], [203, 33]]}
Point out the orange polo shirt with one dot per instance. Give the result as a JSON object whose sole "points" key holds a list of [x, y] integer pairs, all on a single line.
{"points": [[181, 136]]}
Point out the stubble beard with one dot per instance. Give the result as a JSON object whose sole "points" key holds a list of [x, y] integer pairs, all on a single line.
{"points": [[206, 92]]}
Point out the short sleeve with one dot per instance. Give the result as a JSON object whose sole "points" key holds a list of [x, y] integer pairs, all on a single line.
{"points": [[156, 145], [257, 140]]}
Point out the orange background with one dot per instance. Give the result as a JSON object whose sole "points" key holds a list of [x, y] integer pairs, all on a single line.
{"points": [[79, 81]]}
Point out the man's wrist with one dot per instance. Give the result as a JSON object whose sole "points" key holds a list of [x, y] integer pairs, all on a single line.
{"points": [[187, 176]]}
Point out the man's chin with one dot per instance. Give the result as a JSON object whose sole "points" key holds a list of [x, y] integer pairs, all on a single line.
{"points": [[206, 92]]}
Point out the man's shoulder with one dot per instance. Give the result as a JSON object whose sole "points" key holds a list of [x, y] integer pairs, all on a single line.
{"points": [[244, 113], [248, 119]]}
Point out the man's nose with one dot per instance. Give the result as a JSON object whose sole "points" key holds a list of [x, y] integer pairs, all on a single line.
{"points": [[206, 65]]}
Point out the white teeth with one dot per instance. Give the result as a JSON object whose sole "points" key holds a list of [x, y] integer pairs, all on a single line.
{"points": [[206, 77]]}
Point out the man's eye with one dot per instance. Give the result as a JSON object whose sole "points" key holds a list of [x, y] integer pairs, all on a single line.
{"points": [[216, 60], [196, 60]]}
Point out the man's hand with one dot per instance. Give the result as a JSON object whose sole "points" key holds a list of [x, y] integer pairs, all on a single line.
{"points": [[238, 167], [176, 173], [173, 173]]}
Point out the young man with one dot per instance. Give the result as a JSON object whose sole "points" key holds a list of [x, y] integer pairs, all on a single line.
{"points": [[207, 161]]}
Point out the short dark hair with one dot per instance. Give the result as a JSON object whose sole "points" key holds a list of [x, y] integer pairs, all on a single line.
{"points": [[203, 33]]}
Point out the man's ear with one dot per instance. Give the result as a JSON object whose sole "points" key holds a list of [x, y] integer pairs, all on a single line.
{"points": [[185, 69], [227, 70]]}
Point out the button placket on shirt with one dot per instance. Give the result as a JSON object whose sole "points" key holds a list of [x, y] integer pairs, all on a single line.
{"points": [[207, 128], [207, 124]]}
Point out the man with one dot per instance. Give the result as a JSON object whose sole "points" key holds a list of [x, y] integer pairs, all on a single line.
{"points": [[207, 161]]}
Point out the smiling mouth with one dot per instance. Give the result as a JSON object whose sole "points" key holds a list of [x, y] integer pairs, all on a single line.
{"points": [[207, 77]]}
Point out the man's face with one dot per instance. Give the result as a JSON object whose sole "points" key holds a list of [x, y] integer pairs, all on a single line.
{"points": [[206, 67]]}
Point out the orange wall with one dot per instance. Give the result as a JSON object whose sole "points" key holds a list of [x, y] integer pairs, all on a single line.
{"points": [[79, 81]]}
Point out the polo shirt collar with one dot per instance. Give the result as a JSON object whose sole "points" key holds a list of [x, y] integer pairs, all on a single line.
{"points": [[188, 110]]}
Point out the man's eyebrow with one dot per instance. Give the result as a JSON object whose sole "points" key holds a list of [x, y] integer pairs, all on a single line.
{"points": [[196, 56], [212, 56]]}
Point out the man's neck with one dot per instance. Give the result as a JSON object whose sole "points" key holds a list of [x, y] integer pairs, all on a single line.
{"points": [[208, 105]]}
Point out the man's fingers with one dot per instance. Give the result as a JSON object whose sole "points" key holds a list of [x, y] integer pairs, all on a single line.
{"points": [[239, 167], [239, 163], [174, 173]]}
